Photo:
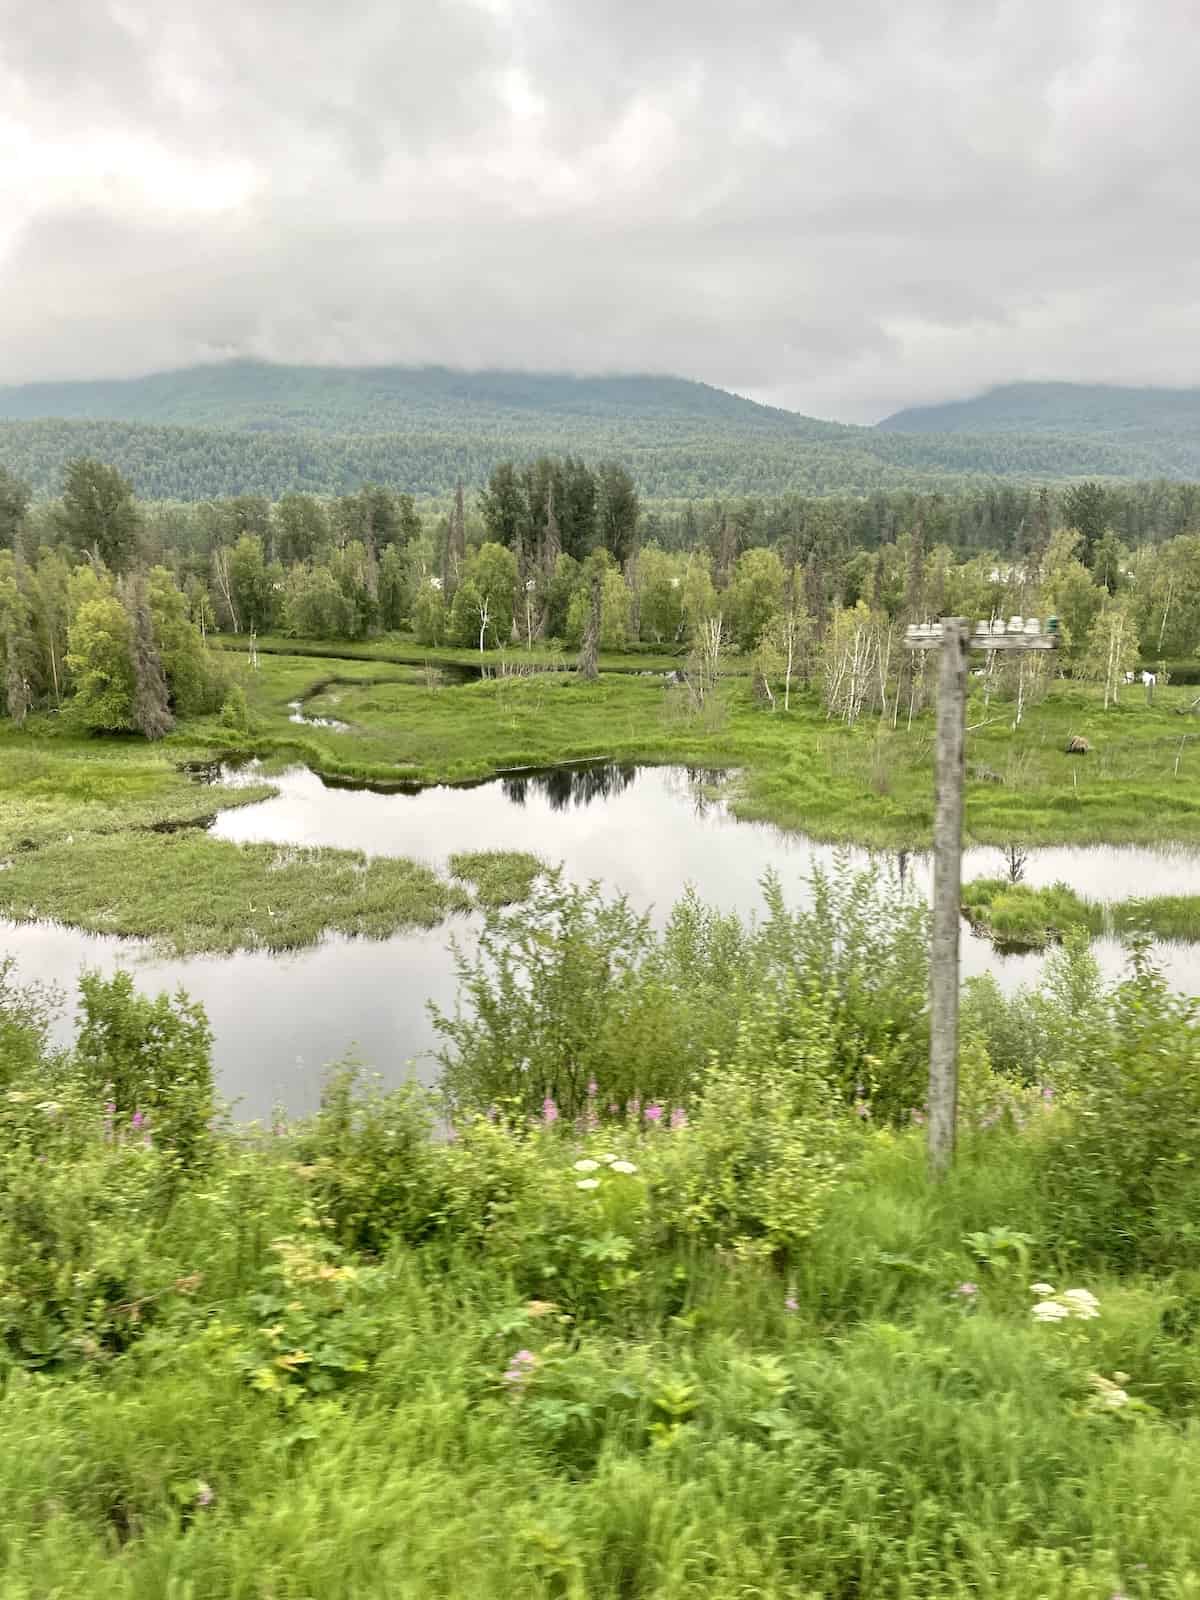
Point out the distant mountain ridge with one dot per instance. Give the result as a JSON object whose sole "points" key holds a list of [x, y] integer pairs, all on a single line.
{"points": [[260, 396], [1109, 410], [250, 427]]}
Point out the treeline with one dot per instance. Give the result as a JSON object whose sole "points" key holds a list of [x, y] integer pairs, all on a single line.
{"points": [[106, 602]]}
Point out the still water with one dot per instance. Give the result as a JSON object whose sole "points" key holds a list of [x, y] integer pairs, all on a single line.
{"points": [[647, 832]]}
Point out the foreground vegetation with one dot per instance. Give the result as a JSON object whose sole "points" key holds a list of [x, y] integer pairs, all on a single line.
{"points": [[673, 1313]]}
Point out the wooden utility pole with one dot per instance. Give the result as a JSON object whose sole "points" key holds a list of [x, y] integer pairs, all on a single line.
{"points": [[954, 639], [947, 894]]}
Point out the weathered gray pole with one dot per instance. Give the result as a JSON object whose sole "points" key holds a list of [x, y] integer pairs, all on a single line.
{"points": [[947, 895]]}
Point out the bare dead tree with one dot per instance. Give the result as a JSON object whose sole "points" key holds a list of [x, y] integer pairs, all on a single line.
{"points": [[224, 583]]}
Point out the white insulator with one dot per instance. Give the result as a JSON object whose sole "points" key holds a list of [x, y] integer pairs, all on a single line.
{"points": [[1016, 624], [1032, 626]]}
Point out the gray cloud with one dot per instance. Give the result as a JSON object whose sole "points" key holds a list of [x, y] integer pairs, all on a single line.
{"points": [[842, 209]]}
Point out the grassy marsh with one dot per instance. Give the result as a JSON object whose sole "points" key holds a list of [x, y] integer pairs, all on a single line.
{"points": [[1017, 916], [498, 877], [52, 786], [63, 796], [405, 649], [190, 893], [869, 784]]}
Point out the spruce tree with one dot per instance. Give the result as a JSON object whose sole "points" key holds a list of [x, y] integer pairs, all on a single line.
{"points": [[151, 701]]}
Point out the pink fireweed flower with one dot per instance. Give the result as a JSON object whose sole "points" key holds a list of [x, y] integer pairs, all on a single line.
{"points": [[653, 1112], [137, 1120], [593, 1088], [679, 1118], [549, 1111], [967, 1290], [520, 1368], [791, 1304]]}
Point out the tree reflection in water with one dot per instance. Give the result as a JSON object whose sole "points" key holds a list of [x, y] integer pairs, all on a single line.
{"points": [[564, 787]]}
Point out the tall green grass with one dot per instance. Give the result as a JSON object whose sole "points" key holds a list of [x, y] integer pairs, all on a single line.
{"points": [[748, 1349]]}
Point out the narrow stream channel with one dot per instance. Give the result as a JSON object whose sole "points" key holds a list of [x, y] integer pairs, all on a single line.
{"points": [[647, 832]]}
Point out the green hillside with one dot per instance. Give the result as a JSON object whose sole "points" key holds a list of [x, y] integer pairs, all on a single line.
{"points": [[257, 396], [247, 427], [1098, 410]]}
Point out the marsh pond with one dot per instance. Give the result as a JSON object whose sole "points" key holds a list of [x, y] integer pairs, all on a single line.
{"points": [[646, 832]]}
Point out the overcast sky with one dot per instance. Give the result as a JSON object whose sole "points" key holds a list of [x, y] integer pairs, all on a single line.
{"points": [[841, 206]]}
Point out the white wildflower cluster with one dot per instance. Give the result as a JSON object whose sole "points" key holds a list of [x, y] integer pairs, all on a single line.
{"points": [[608, 1163], [1080, 1304]]}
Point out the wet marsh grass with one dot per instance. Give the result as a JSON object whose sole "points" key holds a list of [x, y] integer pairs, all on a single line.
{"points": [[498, 877], [406, 650], [192, 894], [1018, 916], [868, 784], [51, 786]]}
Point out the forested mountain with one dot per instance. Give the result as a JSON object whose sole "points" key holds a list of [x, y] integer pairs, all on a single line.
{"points": [[260, 397], [1100, 411], [251, 428]]}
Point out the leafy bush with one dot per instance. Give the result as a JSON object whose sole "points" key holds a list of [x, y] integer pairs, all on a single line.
{"points": [[574, 990], [1121, 1166], [562, 993], [82, 1271], [26, 1014], [149, 1060], [369, 1160], [1050, 1034], [317, 1326], [763, 1148], [235, 713]]}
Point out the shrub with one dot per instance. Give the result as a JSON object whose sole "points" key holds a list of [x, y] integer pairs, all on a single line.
{"points": [[235, 713], [764, 1147], [370, 1161], [562, 993], [26, 1014], [81, 1268], [149, 1060], [1121, 1166], [574, 990]]}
